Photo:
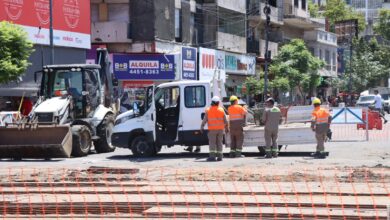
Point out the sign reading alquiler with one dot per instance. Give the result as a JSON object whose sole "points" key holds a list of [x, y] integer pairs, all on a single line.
{"points": [[71, 20], [144, 67]]}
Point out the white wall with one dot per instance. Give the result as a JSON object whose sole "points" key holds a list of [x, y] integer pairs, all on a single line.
{"points": [[234, 5], [231, 42]]}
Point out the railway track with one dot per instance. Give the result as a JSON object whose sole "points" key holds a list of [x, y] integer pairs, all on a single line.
{"points": [[119, 193]]}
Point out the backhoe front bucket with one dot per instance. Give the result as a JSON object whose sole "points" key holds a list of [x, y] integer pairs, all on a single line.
{"points": [[42, 142]]}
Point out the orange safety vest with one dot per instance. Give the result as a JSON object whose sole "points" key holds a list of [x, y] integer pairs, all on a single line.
{"points": [[215, 118], [236, 112], [320, 116]]}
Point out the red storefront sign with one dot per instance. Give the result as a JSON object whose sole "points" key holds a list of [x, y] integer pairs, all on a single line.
{"points": [[71, 20]]}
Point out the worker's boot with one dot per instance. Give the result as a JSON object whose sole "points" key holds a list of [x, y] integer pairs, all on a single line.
{"points": [[189, 149], [322, 155], [219, 156], [239, 155], [232, 154], [268, 155], [197, 149], [275, 154], [211, 159]]}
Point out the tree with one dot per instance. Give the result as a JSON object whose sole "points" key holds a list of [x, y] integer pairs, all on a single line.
{"points": [[383, 25], [370, 65], [313, 9], [297, 66], [15, 50], [337, 10]]}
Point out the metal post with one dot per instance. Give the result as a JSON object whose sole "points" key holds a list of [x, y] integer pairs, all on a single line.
{"points": [[267, 11], [51, 33], [367, 136]]}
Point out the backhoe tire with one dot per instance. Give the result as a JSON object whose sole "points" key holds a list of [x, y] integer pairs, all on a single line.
{"points": [[104, 131], [142, 148], [82, 140]]}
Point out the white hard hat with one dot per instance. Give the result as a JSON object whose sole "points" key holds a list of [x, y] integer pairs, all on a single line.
{"points": [[216, 99]]}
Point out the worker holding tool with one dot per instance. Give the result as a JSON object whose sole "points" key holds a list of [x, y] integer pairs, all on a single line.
{"points": [[217, 123], [320, 124], [271, 118], [237, 117]]}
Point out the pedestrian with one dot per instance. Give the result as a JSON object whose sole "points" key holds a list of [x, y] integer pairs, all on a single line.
{"points": [[378, 105], [272, 117], [320, 124], [237, 118], [217, 123]]}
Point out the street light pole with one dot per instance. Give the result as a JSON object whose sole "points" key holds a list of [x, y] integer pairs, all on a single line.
{"points": [[267, 12], [51, 33]]}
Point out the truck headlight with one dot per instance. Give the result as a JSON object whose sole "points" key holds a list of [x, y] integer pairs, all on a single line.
{"points": [[124, 119]]}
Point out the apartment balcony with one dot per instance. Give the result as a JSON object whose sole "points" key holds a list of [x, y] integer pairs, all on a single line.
{"points": [[272, 47], [257, 15], [110, 32], [321, 37], [299, 18], [230, 42]]}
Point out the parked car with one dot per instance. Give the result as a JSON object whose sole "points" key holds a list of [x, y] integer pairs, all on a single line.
{"points": [[386, 103], [368, 101]]}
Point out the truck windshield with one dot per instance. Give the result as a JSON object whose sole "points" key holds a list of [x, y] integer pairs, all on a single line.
{"points": [[61, 82]]}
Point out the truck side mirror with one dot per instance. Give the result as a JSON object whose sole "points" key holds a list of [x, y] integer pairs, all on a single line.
{"points": [[135, 108], [202, 115]]}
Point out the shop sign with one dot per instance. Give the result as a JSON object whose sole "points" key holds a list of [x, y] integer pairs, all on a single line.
{"points": [[211, 62], [71, 20], [188, 56], [144, 67], [240, 64]]}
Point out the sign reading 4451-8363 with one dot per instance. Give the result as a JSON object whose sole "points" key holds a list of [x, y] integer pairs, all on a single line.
{"points": [[144, 67]]}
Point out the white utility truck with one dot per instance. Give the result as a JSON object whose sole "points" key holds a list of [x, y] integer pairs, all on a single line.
{"points": [[171, 114]]}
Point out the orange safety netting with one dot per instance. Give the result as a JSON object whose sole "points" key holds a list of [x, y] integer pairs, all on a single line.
{"points": [[261, 193]]}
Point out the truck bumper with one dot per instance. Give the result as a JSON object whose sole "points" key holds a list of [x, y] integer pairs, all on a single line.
{"points": [[120, 139]]}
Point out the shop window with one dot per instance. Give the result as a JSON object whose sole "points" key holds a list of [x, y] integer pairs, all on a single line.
{"points": [[296, 3], [195, 96]]}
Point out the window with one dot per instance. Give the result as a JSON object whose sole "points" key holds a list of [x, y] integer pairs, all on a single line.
{"points": [[320, 54], [231, 22], [303, 4], [296, 3], [327, 59], [168, 97], [178, 24], [195, 96]]}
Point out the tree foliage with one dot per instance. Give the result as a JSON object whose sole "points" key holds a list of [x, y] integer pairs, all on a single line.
{"points": [[383, 25], [15, 50], [338, 10], [296, 66], [313, 10], [370, 65]]}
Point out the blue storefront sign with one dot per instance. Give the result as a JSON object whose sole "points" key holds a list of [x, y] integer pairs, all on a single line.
{"points": [[188, 57], [144, 67]]}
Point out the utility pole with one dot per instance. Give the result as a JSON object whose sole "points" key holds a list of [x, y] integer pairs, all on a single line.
{"points": [[267, 12], [51, 33]]}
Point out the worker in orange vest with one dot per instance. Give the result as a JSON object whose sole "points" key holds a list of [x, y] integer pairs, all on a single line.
{"points": [[237, 116], [320, 124], [217, 123]]}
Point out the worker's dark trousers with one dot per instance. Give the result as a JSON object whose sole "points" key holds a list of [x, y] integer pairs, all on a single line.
{"points": [[216, 143], [236, 139], [271, 139], [320, 137]]}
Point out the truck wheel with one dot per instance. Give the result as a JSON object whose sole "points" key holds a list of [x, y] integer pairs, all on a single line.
{"points": [[82, 140], [141, 148], [261, 150], [104, 131]]}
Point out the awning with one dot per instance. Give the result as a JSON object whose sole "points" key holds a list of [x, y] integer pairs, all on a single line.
{"points": [[29, 90]]}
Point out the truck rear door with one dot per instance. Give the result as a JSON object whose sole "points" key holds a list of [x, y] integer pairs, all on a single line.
{"points": [[193, 105]]}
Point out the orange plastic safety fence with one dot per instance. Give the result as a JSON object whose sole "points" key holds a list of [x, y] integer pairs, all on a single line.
{"points": [[162, 193]]}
